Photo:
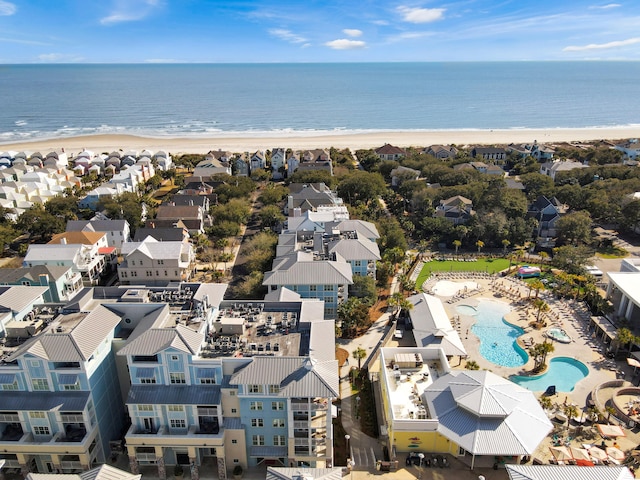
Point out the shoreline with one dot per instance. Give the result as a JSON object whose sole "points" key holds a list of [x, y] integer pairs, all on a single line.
{"points": [[235, 142]]}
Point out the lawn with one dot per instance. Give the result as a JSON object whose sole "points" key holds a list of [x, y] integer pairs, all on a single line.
{"points": [[490, 265]]}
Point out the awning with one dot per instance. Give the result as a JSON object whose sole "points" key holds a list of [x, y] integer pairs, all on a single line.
{"points": [[68, 379], [206, 373], [106, 250], [633, 362], [7, 378], [610, 430], [145, 372]]}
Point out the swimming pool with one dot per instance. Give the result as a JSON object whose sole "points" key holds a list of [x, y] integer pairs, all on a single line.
{"points": [[563, 372], [497, 337]]}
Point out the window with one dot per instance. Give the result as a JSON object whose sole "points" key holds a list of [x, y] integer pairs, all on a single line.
{"points": [[10, 386], [134, 274], [178, 423], [40, 384], [175, 358], [176, 272], [313, 288], [149, 273], [41, 430], [208, 381], [176, 408], [357, 263], [257, 422], [160, 262], [234, 410], [278, 441], [157, 273], [257, 440], [133, 263], [277, 405], [165, 273], [278, 423], [26, 283], [255, 388], [232, 393], [234, 442], [75, 386], [255, 406], [329, 288], [145, 408], [177, 378], [123, 274], [274, 388], [35, 363], [147, 380], [36, 414], [294, 288]]}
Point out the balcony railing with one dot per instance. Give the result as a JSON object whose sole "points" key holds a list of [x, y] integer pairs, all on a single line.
{"points": [[9, 418], [71, 465], [71, 418]]}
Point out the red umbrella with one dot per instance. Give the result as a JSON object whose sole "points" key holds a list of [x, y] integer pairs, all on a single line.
{"points": [[585, 463]]}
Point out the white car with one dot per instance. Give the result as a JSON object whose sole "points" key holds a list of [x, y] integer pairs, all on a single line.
{"points": [[398, 334]]}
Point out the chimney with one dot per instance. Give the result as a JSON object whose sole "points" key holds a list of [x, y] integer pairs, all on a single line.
{"points": [[297, 212], [44, 279]]}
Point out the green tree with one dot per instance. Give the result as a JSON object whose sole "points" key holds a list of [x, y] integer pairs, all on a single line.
{"points": [[125, 206], [574, 228], [472, 365], [479, 244], [353, 314], [361, 187], [541, 306], [235, 210], [624, 337], [539, 352], [63, 207], [40, 223], [271, 216], [364, 288], [536, 285], [359, 354], [505, 245], [570, 258], [631, 216], [273, 194]]}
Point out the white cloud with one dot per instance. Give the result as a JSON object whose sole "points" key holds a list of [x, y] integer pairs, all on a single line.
{"points": [[352, 32], [421, 15], [380, 22], [22, 42], [602, 46], [59, 58], [7, 8], [130, 11], [605, 7], [409, 36], [286, 35], [345, 44]]}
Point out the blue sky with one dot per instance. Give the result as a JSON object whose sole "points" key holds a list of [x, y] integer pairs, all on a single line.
{"points": [[139, 31]]}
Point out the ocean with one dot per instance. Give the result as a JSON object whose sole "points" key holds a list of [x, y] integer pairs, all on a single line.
{"points": [[52, 101]]}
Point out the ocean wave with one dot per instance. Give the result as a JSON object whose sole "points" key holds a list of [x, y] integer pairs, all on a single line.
{"points": [[188, 131]]}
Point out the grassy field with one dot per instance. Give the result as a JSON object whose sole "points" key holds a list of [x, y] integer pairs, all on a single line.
{"points": [[489, 265]]}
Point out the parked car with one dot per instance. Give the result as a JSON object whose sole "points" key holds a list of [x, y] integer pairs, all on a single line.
{"points": [[398, 334]]}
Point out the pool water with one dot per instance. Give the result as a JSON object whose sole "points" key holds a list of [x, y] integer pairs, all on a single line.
{"points": [[497, 337], [563, 372]]}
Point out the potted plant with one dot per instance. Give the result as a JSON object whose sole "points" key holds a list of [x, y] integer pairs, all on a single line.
{"points": [[178, 472], [237, 472]]}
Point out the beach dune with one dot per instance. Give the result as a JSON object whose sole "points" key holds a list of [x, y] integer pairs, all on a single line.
{"points": [[108, 143]]}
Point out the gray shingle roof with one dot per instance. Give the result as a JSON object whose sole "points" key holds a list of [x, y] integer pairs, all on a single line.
{"points": [[174, 395], [297, 376]]}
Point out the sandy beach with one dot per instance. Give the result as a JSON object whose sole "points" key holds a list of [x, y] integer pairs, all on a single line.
{"points": [[108, 143]]}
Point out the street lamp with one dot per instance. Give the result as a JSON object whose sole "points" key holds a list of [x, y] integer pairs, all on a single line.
{"points": [[347, 438], [357, 406]]}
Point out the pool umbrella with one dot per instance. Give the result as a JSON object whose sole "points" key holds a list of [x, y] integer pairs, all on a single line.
{"points": [[616, 453], [561, 453], [585, 463], [610, 430], [598, 453], [579, 453]]}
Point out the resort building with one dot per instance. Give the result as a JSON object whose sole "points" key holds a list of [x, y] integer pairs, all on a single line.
{"points": [[62, 282], [474, 415], [623, 291], [17, 304], [84, 259], [496, 154], [310, 196], [150, 262], [61, 402]]}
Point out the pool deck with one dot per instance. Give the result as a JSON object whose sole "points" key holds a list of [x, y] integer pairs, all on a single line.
{"points": [[568, 315]]}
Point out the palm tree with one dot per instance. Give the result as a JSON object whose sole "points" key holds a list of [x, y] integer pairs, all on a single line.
{"points": [[539, 352], [570, 411], [479, 244], [610, 411], [545, 402], [422, 247], [472, 365], [624, 336], [456, 245], [536, 285], [505, 245], [542, 306], [358, 354], [544, 256]]}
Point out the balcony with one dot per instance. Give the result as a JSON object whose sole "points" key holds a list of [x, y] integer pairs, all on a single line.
{"points": [[12, 433], [72, 433], [208, 428]]}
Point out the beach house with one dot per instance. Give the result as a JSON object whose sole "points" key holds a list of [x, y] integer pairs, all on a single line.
{"points": [[390, 152], [457, 210]]}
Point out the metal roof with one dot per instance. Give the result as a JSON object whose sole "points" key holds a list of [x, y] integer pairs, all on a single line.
{"points": [[628, 283], [486, 414], [44, 401], [296, 376], [18, 297], [355, 249], [46, 252], [174, 394], [156, 340], [299, 473], [74, 346], [266, 451], [299, 268], [567, 472], [431, 325], [153, 249], [232, 423], [368, 229]]}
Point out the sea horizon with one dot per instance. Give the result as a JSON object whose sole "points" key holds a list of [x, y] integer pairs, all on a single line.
{"points": [[197, 100]]}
